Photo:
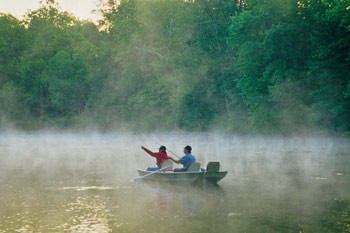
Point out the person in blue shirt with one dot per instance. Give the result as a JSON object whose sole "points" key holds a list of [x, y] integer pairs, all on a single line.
{"points": [[185, 160]]}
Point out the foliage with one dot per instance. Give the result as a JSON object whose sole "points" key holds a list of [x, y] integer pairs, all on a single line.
{"points": [[244, 66]]}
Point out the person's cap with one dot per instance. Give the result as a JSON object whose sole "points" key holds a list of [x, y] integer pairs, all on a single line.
{"points": [[162, 148], [188, 148]]}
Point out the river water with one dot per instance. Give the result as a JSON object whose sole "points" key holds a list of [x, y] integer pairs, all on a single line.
{"points": [[80, 182]]}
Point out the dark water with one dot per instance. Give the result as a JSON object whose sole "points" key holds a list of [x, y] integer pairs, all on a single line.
{"points": [[72, 182]]}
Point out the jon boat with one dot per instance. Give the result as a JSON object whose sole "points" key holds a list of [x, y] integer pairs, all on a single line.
{"points": [[194, 174]]}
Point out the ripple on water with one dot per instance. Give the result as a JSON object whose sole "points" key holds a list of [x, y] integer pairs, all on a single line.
{"points": [[88, 214], [84, 188]]}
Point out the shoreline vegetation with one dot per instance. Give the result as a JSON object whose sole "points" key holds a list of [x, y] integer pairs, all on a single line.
{"points": [[238, 66]]}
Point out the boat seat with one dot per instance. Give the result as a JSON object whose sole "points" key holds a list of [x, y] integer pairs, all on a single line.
{"points": [[213, 167], [194, 167], [167, 162]]}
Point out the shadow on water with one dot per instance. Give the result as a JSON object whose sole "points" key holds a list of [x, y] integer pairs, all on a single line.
{"points": [[177, 207]]}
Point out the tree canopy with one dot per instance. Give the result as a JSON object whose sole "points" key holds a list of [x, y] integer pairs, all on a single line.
{"points": [[266, 66]]}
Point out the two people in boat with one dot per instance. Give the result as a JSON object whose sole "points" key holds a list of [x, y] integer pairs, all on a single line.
{"points": [[161, 156]]}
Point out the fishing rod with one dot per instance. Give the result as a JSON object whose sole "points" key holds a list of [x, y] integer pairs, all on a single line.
{"points": [[167, 149], [161, 145]]}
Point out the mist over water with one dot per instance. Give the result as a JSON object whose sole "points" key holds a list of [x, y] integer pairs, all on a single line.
{"points": [[80, 182]]}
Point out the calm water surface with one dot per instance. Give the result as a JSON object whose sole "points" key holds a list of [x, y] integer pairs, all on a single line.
{"points": [[72, 182]]}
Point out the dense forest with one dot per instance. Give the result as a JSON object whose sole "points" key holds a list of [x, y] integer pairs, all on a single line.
{"points": [[245, 66]]}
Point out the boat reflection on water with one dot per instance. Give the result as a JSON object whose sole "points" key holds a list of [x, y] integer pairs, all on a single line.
{"points": [[188, 198]]}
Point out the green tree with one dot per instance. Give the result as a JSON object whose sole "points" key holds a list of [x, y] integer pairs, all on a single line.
{"points": [[12, 46], [329, 65]]}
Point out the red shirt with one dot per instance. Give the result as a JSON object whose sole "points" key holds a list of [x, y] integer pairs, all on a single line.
{"points": [[160, 156]]}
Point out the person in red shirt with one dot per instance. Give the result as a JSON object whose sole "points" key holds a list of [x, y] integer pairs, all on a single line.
{"points": [[160, 156]]}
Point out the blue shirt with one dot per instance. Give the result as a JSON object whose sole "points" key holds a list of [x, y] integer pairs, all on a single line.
{"points": [[187, 160]]}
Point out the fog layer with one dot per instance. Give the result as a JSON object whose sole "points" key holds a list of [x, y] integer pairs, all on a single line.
{"points": [[81, 181]]}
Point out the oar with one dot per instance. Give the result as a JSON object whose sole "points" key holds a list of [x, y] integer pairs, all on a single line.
{"points": [[141, 177]]}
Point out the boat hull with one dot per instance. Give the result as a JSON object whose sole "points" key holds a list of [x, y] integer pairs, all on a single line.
{"points": [[183, 177]]}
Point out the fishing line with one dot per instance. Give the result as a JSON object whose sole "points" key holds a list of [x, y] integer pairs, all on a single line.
{"points": [[142, 140], [167, 148], [161, 145]]}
